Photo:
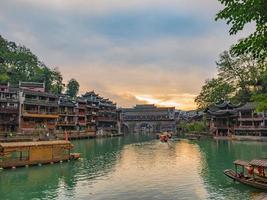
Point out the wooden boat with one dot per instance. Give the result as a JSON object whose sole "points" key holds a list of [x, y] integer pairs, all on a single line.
{"points": [[165, 137], [19, 154], [250, 178]]}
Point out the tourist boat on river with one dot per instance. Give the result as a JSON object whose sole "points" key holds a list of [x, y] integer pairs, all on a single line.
{"points": [[164, 137], [19, 154], [257, 180]]}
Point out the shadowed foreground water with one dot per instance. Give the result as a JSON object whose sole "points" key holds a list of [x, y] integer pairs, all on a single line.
{"points": [[137, 167]]}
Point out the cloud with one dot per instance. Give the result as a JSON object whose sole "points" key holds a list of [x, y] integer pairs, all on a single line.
{"points": [[156, 49]]}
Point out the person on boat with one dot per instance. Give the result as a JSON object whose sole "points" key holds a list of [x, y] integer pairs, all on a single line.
{"points": [[163, 138], [250, 170], [240, 175], [261, 170]]}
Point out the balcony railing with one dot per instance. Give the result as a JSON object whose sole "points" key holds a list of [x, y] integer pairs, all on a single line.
{"points": [[249, 118], [8, 122], [40, 102], [37, 126], [91, 113], [244, 127], [106, 119], [81, 113], [8, 110], [9, 99], [70, 123], [40, 114], [66, 112]]}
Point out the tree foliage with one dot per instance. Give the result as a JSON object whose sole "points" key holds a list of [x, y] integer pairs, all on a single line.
{"points": [[239, 13], [260, 96], [18, 63], [236, 80], [197, 126], [73, 88], [214, 90]]}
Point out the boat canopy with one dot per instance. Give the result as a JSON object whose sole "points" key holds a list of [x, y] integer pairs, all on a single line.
{"points": [[241, 162], [259, 163], [18, 145]]}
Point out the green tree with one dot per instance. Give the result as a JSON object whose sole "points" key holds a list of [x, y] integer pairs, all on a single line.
{"points": [[18, 63], [241, 72], [239, 13], [213, 91], [73, 88], [57, 82], [260, 96], [237, 80]]}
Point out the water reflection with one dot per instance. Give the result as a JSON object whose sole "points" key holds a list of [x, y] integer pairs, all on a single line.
{"points": [[137, 167], [219, 155]]}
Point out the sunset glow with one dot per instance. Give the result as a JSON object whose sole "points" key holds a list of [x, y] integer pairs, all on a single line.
{"points": [[132, 52]]}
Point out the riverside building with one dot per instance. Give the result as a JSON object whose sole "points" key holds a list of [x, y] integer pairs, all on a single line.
{"points": [[28, 109], [38, 109], [148, 118], [9, 109], [240, 121]]}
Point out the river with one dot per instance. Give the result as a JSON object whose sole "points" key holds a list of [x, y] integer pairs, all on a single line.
{"points": [[137, 167]]}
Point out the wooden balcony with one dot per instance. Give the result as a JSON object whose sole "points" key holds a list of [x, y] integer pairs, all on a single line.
{"points": [[249, 118], [39, 114], [33, 125], [106, 119], [9, 110], [81, 113], [82, 122], [69, 113], [11, 100], [41, 102], [250, 128], [8, 122], [66, 123], [91, 113]]}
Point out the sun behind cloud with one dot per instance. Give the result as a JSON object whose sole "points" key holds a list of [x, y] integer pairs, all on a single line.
{"points": [[185, 101]]}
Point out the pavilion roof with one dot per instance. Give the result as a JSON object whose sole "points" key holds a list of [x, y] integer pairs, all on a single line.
{"points": [[248, 106], [241, 162], [261, 163], [222, 112], [226, 105]]}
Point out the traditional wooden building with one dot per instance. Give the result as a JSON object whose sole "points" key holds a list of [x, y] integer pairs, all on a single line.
{"points": [[100, 114], [92, 108], [81, 114], [28, 109], [38, 109], [107, 116], [9, 109], [250, 122], [148, 118], [67, 115], [222, 118], [226, 119]]}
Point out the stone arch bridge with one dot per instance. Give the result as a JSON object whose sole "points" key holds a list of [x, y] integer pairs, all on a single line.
{"points": [[148, 119]]}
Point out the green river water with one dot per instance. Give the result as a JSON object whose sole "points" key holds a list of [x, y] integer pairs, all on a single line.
{"points": [[137, 167]]}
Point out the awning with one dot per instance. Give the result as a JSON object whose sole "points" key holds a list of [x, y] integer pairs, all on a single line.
{"points": [[241, 162], [262, 163]]}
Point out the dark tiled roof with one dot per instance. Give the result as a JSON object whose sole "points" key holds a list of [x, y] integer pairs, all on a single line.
{"points": [[46, 94], [248, 106], [226, 105], [66, 102], [31, 84]]}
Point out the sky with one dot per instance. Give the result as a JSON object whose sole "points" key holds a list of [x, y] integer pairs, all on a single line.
{"points": [[131, 51]]}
